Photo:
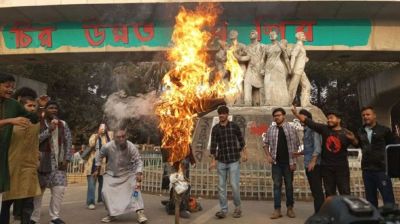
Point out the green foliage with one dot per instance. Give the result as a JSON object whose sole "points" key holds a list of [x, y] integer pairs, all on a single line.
{"points": [[139, 78], [79, 88], [335, 86], [82, 90]]}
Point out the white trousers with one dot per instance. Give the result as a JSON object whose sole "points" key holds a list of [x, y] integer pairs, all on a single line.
{"points": [[57, 195]]}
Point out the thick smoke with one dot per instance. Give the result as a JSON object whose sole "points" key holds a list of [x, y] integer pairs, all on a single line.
{"points": [[120, 108]]}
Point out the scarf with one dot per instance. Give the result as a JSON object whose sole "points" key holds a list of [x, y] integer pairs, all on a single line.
{"points": [[55, 143]]}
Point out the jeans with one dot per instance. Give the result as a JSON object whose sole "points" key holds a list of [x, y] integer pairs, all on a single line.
{"points": [[315, 182], [100, 188], [279, 171], [91, 191], [233, 169], [336, 176], [378, 180], [26, 210]]}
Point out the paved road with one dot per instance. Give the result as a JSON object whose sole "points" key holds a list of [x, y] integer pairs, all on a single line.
{"points": [[74, 211]]}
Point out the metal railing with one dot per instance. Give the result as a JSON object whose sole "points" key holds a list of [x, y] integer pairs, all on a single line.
{"points": [[255, 178], [75, 171]]}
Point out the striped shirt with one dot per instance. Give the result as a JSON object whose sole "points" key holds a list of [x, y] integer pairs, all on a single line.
{"points": [[271, 141], [224, 142]]}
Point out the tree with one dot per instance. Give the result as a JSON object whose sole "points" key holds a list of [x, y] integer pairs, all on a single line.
{"points": [[335, 86], [82, 89], [136, 79]]}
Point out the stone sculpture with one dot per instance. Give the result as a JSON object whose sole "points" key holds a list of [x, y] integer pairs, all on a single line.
{"points": [[276, 73], [272, 73], [253, 78], [240, 51], [220, 60], [298, 60]]}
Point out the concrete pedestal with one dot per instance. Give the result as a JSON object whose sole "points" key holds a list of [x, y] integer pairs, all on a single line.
{"points": [[253, 121]]}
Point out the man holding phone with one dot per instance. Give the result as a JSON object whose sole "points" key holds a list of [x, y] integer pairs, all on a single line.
{"points": [[96, 142], [55, 153]]}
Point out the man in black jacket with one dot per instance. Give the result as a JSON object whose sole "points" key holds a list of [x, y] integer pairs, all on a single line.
{"points": [[373, 139]]}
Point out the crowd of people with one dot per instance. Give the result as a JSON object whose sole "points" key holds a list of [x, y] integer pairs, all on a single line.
{"points": [[36, 147], [325, 157]]}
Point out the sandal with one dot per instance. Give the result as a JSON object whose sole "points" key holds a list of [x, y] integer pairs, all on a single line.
{"points": [[220, 214]]}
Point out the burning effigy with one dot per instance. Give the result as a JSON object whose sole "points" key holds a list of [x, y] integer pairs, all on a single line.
{"points": [[187, 88]]}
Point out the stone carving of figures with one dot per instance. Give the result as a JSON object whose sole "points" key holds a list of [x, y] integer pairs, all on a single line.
{"points": [[298, 60], [276, 73], [239, 53], [286, 57], [220, 60], [253, 78]]}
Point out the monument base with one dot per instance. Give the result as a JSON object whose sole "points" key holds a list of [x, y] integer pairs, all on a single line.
{"points": [[253, 122], [255, 174]]}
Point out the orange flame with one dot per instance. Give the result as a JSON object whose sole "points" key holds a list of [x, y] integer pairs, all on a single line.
{"points": [[187, 84], [236, 79]]}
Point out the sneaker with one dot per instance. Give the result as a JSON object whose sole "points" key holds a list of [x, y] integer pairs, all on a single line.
{"points": [[184, 214], [237, 213], [141, 218], [91, 207], [220, 214], [290, 212], [57, 221], [276, 214], [108, 219]]}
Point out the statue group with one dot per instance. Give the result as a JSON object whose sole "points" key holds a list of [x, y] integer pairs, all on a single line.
{"points": [[272, 72]]}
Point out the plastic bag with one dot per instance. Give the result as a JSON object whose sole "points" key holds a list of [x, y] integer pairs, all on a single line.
{"points": [[178, 182]]}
